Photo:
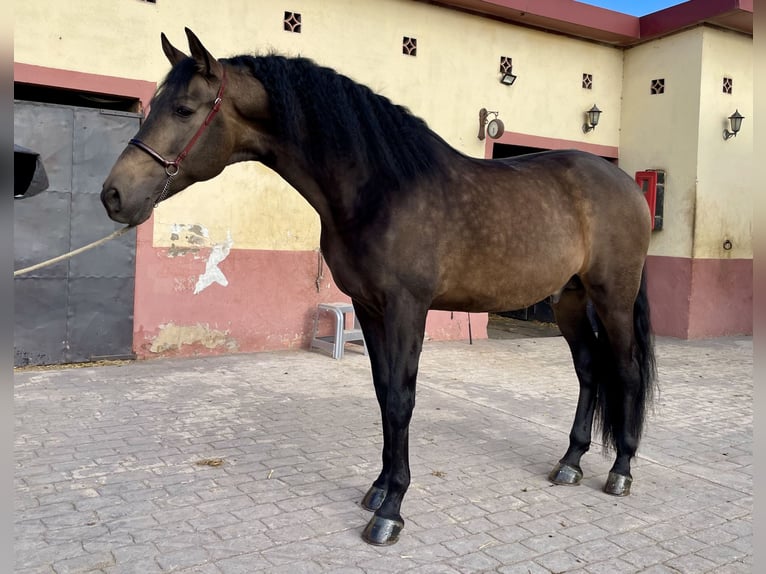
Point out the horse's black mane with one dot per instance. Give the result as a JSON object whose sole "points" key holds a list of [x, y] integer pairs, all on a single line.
{"points": [[335, 120]]}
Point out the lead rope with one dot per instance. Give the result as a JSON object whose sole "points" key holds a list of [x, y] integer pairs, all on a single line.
{"points": [[114, 235], [71, 253]]}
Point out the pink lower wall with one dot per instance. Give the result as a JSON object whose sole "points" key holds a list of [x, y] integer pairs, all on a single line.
{"points": [[698, 298], [270, 303], [271, 299]]}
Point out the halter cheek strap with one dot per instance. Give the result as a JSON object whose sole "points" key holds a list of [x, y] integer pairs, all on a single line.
{"points": [[173, 167]]}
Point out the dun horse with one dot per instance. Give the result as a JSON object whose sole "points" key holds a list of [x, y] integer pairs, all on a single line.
{"points": [[410, 224]]}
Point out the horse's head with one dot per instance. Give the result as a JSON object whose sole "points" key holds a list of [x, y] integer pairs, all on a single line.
{"points": [[188, 136]]}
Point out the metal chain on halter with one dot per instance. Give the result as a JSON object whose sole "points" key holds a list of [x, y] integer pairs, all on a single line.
{"points": [[165, 189]]}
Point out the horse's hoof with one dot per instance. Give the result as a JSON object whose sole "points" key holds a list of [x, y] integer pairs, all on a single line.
{"points": [[618, 484], [373, 499], [382, 531], [566, 474]]}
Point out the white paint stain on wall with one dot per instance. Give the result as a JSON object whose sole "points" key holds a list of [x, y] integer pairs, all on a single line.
{"points": [[213, 273]]}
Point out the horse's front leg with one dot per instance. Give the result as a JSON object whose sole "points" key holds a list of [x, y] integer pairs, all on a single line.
{"points": [[374, 338], [394, 353]]}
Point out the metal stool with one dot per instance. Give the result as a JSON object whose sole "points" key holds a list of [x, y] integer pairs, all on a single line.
{"points": [[336, 342]]}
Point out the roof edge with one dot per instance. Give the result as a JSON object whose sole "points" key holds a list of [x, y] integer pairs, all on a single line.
{"points": [[599, 24]]}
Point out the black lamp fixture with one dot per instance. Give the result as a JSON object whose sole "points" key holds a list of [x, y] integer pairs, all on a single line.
{"points": [[508, 78], [735, 120], [593, 116]]}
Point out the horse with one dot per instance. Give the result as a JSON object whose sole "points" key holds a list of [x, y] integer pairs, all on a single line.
{"points": [[409, 224]]}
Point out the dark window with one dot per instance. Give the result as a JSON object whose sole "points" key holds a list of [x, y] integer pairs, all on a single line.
{"points": [[410, 46], [292, 22]]}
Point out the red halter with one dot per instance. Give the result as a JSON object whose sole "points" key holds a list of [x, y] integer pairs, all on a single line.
{"points": [[173, 167]]}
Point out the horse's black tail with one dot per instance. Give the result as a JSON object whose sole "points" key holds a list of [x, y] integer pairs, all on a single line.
{"points": [[611, 395]]}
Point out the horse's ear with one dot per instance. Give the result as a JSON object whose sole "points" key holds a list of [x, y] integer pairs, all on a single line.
{"points": [[171, 52], [207, 65]]}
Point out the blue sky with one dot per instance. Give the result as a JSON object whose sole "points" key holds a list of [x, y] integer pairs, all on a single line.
{"points": [[633, 7]]}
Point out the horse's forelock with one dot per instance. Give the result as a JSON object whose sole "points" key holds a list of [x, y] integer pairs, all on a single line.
{"points": [[176, 81]]}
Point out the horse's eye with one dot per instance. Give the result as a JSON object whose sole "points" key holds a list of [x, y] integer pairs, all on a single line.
{"points": [[183, 111]]}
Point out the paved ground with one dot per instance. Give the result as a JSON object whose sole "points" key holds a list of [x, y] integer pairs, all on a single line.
{"points": [[256, 463]]}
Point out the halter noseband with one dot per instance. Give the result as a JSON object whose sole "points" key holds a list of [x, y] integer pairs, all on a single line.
{"points": [[173, 167]]}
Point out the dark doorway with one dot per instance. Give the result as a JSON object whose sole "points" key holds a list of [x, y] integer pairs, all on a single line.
{"points": [[80, 309]]}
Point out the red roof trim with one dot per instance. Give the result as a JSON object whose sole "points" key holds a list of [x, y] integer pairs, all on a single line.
{"points": [[591, 22], [691, 13], [81, 81]]}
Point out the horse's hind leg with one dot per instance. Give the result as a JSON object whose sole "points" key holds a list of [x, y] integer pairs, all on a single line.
{"points": [[572, 318], [620, 395], [628, 389]]}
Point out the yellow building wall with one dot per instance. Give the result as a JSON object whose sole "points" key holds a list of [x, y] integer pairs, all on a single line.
{"points": [[725, 190], [660, 131], [455, 73], [708, 190]]}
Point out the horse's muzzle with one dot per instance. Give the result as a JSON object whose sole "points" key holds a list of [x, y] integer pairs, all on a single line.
{"points": [[110, 197], [117, 211]]}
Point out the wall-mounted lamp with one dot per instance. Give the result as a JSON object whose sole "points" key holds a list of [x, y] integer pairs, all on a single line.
{"points": [[592, 116], [735, 120], [508, 78], [495, 127]]}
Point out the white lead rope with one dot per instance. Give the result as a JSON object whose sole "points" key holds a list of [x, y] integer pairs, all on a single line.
{"points": [[71, 253]]}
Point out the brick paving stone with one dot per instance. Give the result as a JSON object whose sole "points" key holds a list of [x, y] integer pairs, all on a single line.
{"points": [[201, 569], [595, 550], [586, 532], [691, 564], [630, 540], [543, 543], [473, 562], [735, 568], [527, 568], [107, 481], [721, 554], [46, 569], [559, 561], [510, 553], [648, 556], [425, 569], [441, 534], [86, 563], [477, 525], [244, 564], [613, 566], [185, 557]]}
